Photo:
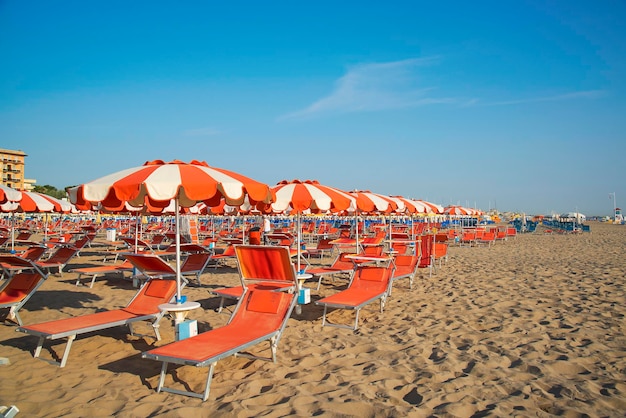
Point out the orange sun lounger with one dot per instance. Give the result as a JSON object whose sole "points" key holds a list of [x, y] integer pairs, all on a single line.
{"points": [[261, 267], [369, 283], [24, 281], [260, 316], [102, 270], [405, 267], [151, 265], [341, 264], [59, 259], [143, 307]]}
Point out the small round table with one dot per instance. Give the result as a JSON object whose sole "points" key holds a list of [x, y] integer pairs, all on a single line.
{"points": [[179, 310]]}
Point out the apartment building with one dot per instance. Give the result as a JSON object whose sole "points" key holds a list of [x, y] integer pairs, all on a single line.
{"points": [[12, 168]]}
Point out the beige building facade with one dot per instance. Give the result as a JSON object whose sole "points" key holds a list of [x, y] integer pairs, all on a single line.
{"points": [[13, 168]]}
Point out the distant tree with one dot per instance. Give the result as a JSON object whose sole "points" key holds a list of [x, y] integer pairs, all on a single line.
{"points": [[50, 191]]}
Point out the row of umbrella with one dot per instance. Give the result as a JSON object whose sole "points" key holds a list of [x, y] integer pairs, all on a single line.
{"points": [[157, 185]]}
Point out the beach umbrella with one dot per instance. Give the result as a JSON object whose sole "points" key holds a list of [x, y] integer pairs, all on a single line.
{"points": [[309, 195], [156, 183], [34, 202], [430, 207], [457, 210], [367, 201], [8, 194]]}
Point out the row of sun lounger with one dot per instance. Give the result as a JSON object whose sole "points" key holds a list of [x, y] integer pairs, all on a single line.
{"points": [[265, 300]]}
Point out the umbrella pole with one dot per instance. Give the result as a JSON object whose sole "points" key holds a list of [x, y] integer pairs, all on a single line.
{"points": [[13, 232], [177, 240], [299, 241], [356, 225]]}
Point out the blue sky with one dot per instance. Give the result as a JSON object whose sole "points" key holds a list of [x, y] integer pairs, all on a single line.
{"points": [[517, 105]]}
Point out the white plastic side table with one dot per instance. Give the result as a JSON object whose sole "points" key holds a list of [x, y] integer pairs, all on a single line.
{"points": [[179, 310]]}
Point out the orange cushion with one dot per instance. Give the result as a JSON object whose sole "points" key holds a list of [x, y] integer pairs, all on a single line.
{"points": [[24, 281], [158, 288], [264, 301]]}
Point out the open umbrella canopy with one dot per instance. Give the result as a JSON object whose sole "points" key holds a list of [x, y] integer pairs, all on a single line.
{"points": [[309, 195], [156, 183], [33, 202], [430, 207], [367, 201], [457, 210], [8, 194]]}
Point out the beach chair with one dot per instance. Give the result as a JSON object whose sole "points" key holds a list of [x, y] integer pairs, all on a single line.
{"points": [[369, 283], [19, 286], [32, 253], [468, 237], [322, 248], [102, 270], [59, 259], [440, 253], [425, 245], [261, 267], [220, 259], [260, 316], [342, 264], [405, 268], [152, 266], [144, 306]]}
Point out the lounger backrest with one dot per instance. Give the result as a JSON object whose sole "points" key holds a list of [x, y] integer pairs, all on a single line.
{"points": [[266, 263], [343, 262], [372, 278], [264, 309], [151, 295], [195, 262], [426, 244], [375, 250], [440, 249], [19, 286], [405, 260], [148, 263], [372, 273], [33, 253], [62, 255]]}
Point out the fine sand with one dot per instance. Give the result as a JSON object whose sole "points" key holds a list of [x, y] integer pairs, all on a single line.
{"points": [[533, 326]]}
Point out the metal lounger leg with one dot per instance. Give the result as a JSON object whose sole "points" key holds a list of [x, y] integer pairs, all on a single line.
{"points": [[204, 395], [66, 352]]}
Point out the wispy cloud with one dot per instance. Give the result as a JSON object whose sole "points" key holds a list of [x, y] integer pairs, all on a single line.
{"points": [[588, 94], [202, 132], [376, 86]]}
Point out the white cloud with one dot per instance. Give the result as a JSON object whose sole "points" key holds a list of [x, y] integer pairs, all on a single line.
{"points": [[373, 87]]}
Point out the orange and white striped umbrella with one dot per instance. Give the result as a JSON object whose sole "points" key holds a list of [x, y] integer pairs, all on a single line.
{"points": [[309, 195], [156, 183], [8, 194], [34, 202]]}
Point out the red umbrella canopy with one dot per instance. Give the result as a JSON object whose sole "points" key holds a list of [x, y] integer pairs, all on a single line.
{"points": [[156, 183], [429, 207], [9, 194], [37, 202], [309, 195], [456, 210], [407, 205], [367, 201]]}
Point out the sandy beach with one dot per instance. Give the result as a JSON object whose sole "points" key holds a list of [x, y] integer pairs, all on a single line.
{"points": [[533, 326]]}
